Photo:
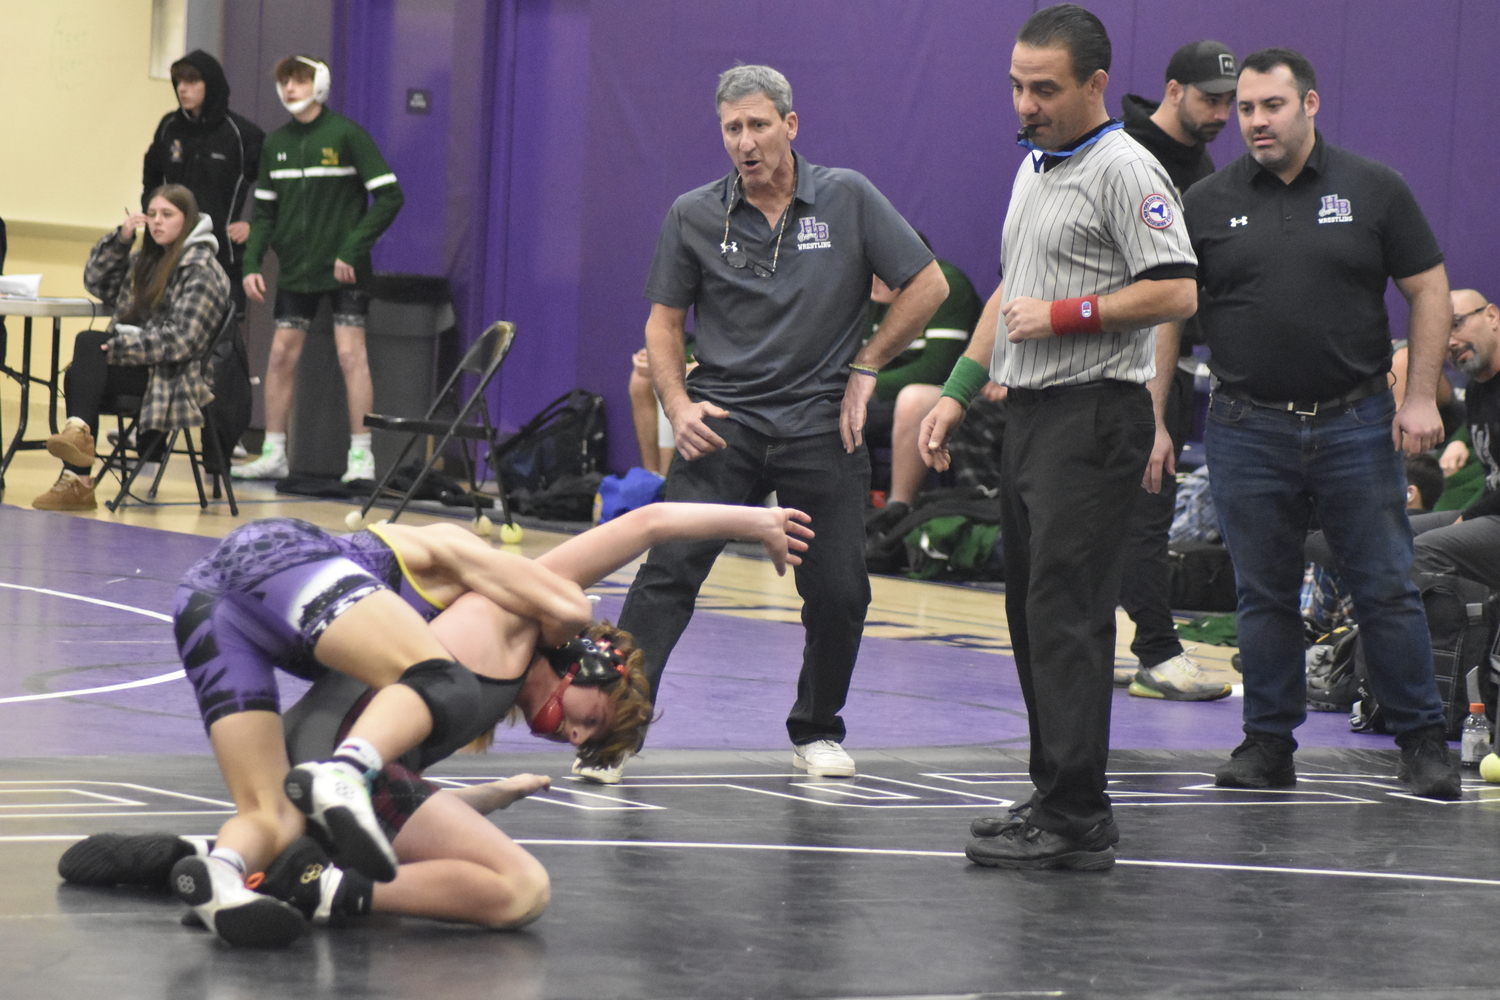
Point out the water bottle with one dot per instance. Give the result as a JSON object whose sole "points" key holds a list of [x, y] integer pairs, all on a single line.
{"points": [[1474, 742]]}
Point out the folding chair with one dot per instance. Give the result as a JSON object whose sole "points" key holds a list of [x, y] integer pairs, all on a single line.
{"points": [[482, 361], [124, 407]]}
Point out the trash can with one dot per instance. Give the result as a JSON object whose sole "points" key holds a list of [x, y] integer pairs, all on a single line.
{"points": [[408, 315]]}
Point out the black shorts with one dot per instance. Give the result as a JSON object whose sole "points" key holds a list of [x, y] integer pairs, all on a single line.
{"points": [[298, 309]]}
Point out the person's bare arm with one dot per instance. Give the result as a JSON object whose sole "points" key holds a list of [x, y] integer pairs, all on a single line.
{"points": [[1418, 425], [914, 306], [946, 414], [1138, 305], [1162, 462], [665, 331], [492, 795], [588, 558]]}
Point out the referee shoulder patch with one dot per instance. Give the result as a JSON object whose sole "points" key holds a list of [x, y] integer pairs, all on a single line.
{"points": [[1156, 211]]}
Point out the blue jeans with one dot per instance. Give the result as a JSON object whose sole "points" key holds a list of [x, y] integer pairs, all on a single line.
{"points": [[1270, 471], [813, 474]]}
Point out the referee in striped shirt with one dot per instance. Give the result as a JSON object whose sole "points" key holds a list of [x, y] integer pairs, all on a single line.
{"points": [[1094, 256]]}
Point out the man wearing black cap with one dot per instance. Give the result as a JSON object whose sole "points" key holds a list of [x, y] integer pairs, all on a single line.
{"points": [[1195, 108]]}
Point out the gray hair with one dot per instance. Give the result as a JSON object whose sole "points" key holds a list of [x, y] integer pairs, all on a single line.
{"points": [[740, 82]]}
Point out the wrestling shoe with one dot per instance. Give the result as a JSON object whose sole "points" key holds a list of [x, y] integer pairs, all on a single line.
{"points": [[143, 859], [74, 444], [335, 798], [70, 492], [238, 915], [823, 759], [270, 465], [321, 891], [1030, 847], [359, 465], [598, 773], [1263, 760], [1178, 679], [1428, 765]]}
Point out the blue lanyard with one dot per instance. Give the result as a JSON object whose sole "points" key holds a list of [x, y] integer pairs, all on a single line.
{"points": [[1041, 154]]}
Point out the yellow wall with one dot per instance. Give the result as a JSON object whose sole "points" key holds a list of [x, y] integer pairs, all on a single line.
{"points": [[78, 115]]}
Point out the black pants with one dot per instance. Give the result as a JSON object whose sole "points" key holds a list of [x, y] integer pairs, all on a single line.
{"points": [[812, 474], [1144, 591], [1071, 468], [91, 380]]}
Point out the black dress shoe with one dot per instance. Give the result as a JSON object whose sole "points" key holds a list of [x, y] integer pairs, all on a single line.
{"points": [[1428, 764], [1030, 847], [1264, 760]]}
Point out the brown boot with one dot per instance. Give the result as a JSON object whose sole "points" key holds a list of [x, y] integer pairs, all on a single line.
{"points": [[73, 444], [70, 492]]}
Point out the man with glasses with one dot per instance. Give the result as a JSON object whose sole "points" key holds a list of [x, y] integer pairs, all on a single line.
{"points": [[1296, 242], [1467, 542], [775, 260]]}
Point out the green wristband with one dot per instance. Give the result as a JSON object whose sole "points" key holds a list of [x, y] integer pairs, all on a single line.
{"points": [[969, 376]]}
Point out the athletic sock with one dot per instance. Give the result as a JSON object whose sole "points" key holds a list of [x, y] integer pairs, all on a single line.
{"points": [[359, 754], [232, 858], [275, 440], [360, 441]]}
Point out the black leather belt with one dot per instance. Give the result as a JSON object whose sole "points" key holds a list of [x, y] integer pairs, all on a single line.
{"points": [[1309, 408]]}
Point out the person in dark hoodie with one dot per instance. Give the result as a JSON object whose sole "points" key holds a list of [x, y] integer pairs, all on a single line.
{"points": [[212, 152], [1198, 101]]}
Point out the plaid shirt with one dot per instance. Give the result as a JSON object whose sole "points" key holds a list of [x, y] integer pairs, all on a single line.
{"points": [[173, 338]]}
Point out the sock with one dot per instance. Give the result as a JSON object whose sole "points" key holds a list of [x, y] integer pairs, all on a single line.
{"points": [[355, 894], [81, 471], [361, 441], [359, 754], [275, 441], [230, 857]]}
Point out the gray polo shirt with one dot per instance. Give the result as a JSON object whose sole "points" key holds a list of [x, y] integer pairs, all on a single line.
{"points": [[774, 351], [1097, 221]]}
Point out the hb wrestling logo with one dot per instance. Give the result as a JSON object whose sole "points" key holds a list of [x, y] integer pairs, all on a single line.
{"points": [[813, 235], [1335, 209]]}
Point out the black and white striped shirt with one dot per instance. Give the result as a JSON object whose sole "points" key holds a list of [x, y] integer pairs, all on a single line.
{"points": [[1089, 225]]}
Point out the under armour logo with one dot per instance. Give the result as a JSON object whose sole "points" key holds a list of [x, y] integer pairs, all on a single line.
{"points": [[280, 157], [1243, 220], [731, 247]]}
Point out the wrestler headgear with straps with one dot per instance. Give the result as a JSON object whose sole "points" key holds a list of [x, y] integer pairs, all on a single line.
{"points": [[582, 661]]}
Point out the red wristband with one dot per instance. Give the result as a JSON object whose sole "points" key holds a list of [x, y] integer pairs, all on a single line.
{"points": [[1076, 316]]}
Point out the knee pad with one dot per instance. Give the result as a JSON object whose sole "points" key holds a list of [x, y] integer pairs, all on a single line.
{"points": [[451, 693]]}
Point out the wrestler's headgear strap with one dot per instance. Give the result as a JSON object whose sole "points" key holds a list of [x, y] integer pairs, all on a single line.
{"points": [[582, 661], [322, 82]]}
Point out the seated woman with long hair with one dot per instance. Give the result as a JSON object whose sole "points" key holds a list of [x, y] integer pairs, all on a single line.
{"points": [[167, 300]]}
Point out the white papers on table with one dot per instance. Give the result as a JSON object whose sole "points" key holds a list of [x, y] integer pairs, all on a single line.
{"points": [[21, 286]]}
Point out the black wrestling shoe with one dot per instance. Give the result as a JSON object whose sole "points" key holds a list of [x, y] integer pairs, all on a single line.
{"points": [[1263, 760], [324, 893], [237, 914], [1031, 848], [143, 859], [335, 797], [1428, 765]]}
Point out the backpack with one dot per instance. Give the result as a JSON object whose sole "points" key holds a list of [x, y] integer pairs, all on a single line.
{"points": [[567, 438], [952, 549], [1193, 516], [567, 498], [229, 377], [1334, 665], [1200, 577], [1461, 617]]}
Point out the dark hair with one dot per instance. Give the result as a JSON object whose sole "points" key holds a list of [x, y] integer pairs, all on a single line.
{"points": [[184, 70], [1069, 26], [1268, 59], [293, 68], [154, 264], [1424, 472]]}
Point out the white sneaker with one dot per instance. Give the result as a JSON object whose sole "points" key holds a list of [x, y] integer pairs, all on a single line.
{"points": [[360, 465], [335, 798], [1178, 679], [600, 775], [237, 914], [823, 759], [270, 465]]}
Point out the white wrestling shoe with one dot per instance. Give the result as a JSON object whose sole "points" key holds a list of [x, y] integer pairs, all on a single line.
{"points": [[270, 465], [823, 759], [334, 797], [238, 915], [359, 465], [601, 775]]}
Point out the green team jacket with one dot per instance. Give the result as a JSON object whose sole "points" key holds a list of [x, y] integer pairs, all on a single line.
{"points": [[931, 357], [310, 202]]}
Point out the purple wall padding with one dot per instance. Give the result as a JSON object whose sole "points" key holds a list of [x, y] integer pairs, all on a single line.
{"points": [[566, 128]]}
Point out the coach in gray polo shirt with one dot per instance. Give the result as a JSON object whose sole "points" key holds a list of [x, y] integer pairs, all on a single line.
{"points": [[775, 261]]}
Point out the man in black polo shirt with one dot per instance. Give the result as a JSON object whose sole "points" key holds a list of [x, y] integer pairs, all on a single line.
{"points": [[1295, 243], [775, 260]]}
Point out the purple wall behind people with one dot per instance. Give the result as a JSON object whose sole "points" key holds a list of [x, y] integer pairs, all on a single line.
{"points": [[561, 130]]}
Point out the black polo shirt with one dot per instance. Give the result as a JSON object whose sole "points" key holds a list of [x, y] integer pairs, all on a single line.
{"points": [[1294, 275], [774, 351]]}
